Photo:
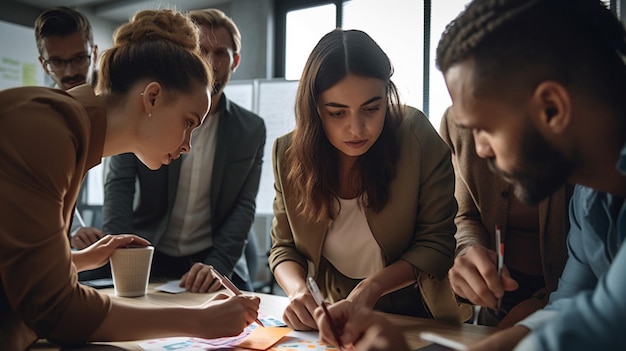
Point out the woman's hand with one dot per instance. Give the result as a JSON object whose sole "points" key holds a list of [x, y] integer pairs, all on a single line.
{"points": [[228, 316], [98, 253], [85, 236], [299, 313], [221, 316], [360, 327]]}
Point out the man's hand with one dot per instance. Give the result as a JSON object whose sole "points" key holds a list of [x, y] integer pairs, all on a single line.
{"points": [[360, 326], [226, 315], [85, 236], [200, 279], [474, 276], [98, 254]]}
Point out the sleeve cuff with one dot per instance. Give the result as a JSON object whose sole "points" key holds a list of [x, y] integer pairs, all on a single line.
{"points": [[537, 319]]}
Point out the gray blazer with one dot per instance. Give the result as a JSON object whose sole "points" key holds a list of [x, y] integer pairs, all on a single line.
{"points": [[234, 185]]}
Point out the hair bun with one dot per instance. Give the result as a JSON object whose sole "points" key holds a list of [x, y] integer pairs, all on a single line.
{"points": [[165, 24]]}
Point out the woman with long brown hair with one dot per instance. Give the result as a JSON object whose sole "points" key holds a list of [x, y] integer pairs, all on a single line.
{"points": [[364, 191]]}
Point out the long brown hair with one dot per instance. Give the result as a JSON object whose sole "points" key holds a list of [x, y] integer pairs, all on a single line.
{"points": [[311, 160]]}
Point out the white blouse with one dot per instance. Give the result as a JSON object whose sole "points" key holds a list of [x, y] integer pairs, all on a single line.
{"points": [[350, 245]]}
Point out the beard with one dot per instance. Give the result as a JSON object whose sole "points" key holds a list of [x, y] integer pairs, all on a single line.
{"points": [[541, 169], [220, 79], [216, 87]]}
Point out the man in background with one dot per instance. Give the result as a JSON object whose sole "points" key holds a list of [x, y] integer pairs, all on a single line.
{"points": [[68, 55], [67, 52], [197, 211]]}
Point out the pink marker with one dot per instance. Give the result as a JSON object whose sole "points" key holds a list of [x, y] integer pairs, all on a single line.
{"points": [[230, 286]]}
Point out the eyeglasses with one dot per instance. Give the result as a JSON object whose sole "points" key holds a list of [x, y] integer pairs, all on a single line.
{"points": [[58, 65]]}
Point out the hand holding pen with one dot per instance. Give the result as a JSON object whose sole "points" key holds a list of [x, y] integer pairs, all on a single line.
{"points": [[230, 286], [317, 295], [360, 328]]}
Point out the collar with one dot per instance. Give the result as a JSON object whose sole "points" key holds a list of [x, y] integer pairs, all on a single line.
{"points": [[224, 107]]}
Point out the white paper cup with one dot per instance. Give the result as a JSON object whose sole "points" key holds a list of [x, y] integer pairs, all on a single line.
{"points": [[130, 268]]}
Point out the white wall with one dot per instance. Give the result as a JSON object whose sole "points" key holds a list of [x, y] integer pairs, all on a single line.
{"points": [[19, 66]]}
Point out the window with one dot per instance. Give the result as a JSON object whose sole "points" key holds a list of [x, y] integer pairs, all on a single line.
{"points": [[305, 27], [401, 27], [441, 14], [397, 26]]}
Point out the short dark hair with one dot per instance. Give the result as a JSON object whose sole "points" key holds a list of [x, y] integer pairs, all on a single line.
{"points": [[61, 21], [516, 44]]}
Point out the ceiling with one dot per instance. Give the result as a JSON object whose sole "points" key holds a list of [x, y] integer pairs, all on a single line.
{"points": [[119, 10]]}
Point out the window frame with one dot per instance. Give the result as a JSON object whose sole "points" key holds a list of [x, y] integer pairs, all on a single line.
{"points": [[282, 7]]}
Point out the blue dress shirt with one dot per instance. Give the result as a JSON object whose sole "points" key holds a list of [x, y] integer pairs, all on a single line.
{"points": [[588, 309]]}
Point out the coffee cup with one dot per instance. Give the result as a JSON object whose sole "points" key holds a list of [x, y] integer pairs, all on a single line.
{"points": [[130, 268]]}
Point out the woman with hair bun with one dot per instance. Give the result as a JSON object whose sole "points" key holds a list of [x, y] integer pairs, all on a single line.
{"points": [[151, 94]]}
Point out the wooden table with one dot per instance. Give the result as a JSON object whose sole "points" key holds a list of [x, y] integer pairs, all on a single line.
{"points": [[274, 305]]}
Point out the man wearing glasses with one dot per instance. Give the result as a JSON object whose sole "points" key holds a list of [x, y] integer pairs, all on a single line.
{"points": [[68, 55], [66, 49]]}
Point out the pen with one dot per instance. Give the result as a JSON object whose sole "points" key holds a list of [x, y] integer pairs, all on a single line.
{"points": [[438, 339], [500, 252], [81, 221], [230, 286], [317, 295]]}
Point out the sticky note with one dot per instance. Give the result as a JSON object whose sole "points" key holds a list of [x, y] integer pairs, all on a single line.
{"points": [[263, 338]]}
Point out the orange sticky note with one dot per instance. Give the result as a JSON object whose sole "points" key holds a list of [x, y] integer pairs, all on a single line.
{"points": [[263, 338]]}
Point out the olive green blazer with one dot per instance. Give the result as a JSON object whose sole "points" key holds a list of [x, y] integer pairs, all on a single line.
{"points": [[416, 225]]}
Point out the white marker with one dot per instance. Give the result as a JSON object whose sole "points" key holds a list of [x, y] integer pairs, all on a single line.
{"points": [[81, 221], [438, 339]]}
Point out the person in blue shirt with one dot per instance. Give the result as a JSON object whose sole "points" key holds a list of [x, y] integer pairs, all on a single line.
{"points": [[541, 85]]}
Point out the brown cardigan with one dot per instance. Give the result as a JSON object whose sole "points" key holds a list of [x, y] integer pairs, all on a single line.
{"points": [[48, 141], [417, 225], [478, 187]]}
